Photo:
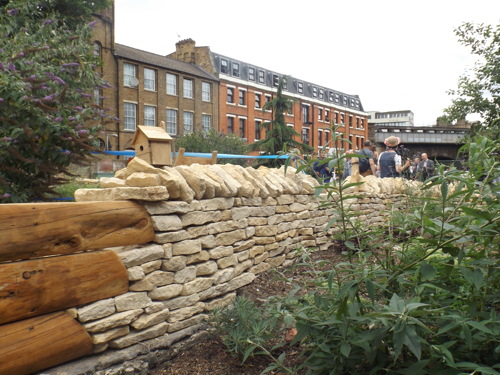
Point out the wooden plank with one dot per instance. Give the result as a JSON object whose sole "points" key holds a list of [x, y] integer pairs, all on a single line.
{"points": [[34, 230], [35, 287], [35, 344]]}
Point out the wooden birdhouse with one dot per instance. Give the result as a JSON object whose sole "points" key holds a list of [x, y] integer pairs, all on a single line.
{"points": [[153, 144]]}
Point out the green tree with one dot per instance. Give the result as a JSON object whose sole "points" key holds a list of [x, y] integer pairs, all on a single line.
{"points": [[279, 136], [478, 93], [207, 142], [47, 81]]}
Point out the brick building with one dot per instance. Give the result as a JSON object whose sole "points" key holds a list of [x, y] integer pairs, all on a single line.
{"points": [[194, 88], [244, 89]]}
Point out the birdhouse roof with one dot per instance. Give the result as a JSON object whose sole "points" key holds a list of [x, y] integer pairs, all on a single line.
{"points": [[156, 133]]}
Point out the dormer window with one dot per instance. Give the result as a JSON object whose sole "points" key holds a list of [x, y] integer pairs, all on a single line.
{"points": [[224, 66]]}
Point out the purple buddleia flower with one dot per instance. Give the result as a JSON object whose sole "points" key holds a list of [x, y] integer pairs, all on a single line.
{"points": [[11, 67], [58, 119], [13, 12], [20, 54], [7, 139], [6, 195], [66, 152], [92, 24], [48, 22], [59, 80], [85, 95], [32, 77], [2, 50], [71, 118], [79, 109], [49, 98], [71, 64], [116, 119], [83, 132], [1, 66], [1, 100]]}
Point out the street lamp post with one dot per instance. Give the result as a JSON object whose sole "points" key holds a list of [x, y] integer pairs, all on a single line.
{"points": [[108, 147]]}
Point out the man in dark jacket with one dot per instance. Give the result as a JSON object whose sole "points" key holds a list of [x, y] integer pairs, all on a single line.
{"points": [[425, 168]]}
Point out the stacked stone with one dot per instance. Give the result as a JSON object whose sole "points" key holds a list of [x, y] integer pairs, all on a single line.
{"points": [[216, 228]]}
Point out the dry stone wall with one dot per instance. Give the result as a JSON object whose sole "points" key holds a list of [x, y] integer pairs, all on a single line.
{"points": [[216, 228]]}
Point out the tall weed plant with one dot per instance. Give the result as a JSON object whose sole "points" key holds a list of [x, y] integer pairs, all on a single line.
{"points": [[419, 295]]}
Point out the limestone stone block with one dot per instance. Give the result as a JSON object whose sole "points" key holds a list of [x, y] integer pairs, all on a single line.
{"points": [[260, 258], [178, 326], [199, 218], [166, 223], [242, 267], [227, 261], [221, 190], [171, 181], [185, 313], [96, 310], [167, 248], [154, 308], [141, 255], [218, 303], [171, 237], [151, 266], [141, 179], [217, 204], [139, 165], [101, 338], [131, 301], [235, 171], [220, 252], [259, 268], [181, 302], [174, 264], [195, 181], [186, 194], [267, 230], [150, 193], [121, 174], [240, 281], [116, 320], [135, 273], [152, 280], [148, 320], [230, 238], [243, 255], [223, 276], [215, 291], [206, 268], [197, 285], [187, 247], [167, 207], [207, 242], [202, 256], [233, 185], [134, 338], [165, 292], [110, 182], [243, 245], [185, 275]]}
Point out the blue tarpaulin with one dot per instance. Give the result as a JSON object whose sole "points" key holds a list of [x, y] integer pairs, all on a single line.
{"points": [[204, 155]]}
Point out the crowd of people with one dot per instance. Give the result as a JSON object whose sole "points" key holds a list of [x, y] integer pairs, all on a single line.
{"points": [[388, 163]]}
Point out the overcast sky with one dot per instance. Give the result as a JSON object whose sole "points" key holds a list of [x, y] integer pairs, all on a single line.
{"points": [[394, 54]]}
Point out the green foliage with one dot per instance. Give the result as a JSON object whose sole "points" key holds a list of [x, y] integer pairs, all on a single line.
{"points": [[419, 295], [47, 77], [478, 92], [206, 142], [67, 190], [279, 137]]}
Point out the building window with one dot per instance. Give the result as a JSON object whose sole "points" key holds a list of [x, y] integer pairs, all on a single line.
{"points": [[205, 91], [149, 115], [241, 98], [276, 80], [320, 138], [188, 122], [206, 123], [251, 74], [129, 75], [257, 101], [305, 135], [236, 69], [336, 118], [327, 115], [242, 122], [97, 49], [171, 84], [230, 125], [331, 97], [261, 76], [315, 92], [342, 119], [257, 129], [321, 94], [300, 87], [268, 99], [320, 114], [230, 95], [187, 88], [97, 96], [327, 138], [149, 79], [129, 116], [224, 66], [305, 113], [172, 121], [350, 122]]}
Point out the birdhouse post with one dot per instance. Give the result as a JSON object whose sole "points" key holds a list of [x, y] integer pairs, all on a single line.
{"points": [[153, 144]]}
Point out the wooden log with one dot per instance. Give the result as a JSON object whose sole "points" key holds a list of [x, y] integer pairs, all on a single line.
{"points": [[35, 287], [34, 230], [35, 344]]}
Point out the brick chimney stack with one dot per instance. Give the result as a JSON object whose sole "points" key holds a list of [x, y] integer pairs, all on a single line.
{"points": [[185, 50]]}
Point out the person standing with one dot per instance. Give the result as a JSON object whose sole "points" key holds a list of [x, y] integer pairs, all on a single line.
{"points": [[389, 162], [372, 167], [414, 169], [425, 167]]}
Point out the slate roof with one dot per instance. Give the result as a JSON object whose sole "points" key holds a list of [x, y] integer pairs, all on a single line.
{"points": [[153, 59]]}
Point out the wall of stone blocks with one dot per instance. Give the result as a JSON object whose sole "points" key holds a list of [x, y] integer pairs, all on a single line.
{"points": [[204, 251]]}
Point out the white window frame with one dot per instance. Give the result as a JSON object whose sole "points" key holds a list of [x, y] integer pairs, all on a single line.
{"points": [[149, 79], [149, 115], [129, 72], [206, 122], [171, 84], [172, 115], [188, 122], [206, 89], [129, 117], [187, 88]]}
